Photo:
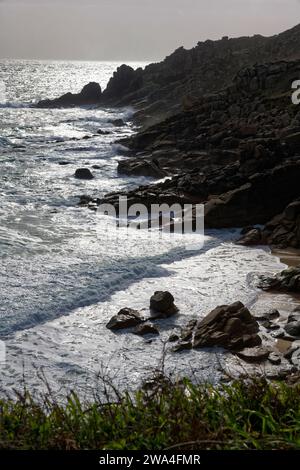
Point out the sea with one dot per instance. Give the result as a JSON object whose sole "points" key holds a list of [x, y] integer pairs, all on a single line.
{"points": [[65, 271]]}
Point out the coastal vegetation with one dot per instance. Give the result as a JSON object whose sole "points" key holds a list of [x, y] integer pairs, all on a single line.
{"points": [[163, 414]]}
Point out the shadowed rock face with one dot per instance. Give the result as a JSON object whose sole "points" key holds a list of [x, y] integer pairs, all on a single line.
{"points": [[89, 95], [140, 167], [283, 230], [125, 80], [232, 137], [235, 151], [256, 201], [175, 84]]}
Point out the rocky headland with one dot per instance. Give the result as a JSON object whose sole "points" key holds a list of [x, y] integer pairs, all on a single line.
{"points": [[236, 151], [217, 127], [163, 89]]}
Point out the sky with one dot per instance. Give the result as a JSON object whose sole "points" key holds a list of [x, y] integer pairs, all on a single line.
{"points": [[125, 30]]}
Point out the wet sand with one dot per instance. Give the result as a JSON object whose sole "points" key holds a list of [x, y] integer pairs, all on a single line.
{"points": [[288, 256], [285, 303]]}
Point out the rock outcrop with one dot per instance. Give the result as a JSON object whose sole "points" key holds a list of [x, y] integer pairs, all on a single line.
{"points": [[230, 150], [293, 329], [125, 318], [173, 85], [228, 326], [254, 355], [258, 200], [146, 329], [83, 174], [124, 81], [162, 305], [140, 167], [90, 95], [287, 280], [282, 231]]}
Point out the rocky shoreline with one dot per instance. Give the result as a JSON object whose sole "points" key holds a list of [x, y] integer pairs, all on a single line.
{"points": [[267, 333], [237, 152], [232, 144]]}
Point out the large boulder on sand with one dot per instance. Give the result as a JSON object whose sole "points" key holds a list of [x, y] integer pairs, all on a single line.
{"points": [[229, 326], [162, 304], [293, 328], [254, 355]]}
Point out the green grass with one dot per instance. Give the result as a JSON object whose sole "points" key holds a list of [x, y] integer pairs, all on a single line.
{"points": [[182, 416]]}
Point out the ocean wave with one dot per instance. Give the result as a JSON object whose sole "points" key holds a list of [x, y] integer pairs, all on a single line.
{"points": [[15, 105], [4, 142]]}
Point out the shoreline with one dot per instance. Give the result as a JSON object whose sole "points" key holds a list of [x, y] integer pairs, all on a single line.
{"points": [[288, 256], [284, 302]]}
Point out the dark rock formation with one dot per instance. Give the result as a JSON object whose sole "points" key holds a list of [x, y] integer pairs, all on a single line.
{"points": [[173, 338], [83, 174], [270, 326], [89, 95], [102, 132], [254, 355], [282, 231], [229, 326], [274, 358], [175, 84], [295, 316], [267, 316], [244, 204], [126, 318], [287, 280], [123, 82], [293, 328], [134, 167], [251, 237], [117, 122], [146, 329], [230, 150], [162, 304]]}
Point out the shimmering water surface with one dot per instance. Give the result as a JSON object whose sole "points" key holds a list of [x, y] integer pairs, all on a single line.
{"points": [[63, 273]]}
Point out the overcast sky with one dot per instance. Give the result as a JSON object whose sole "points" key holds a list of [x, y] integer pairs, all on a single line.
{"points": [[131, 29]]}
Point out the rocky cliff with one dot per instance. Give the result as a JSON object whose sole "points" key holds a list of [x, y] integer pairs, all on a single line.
{"points": [[219, 120], [236, 150], [165, 88]]}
